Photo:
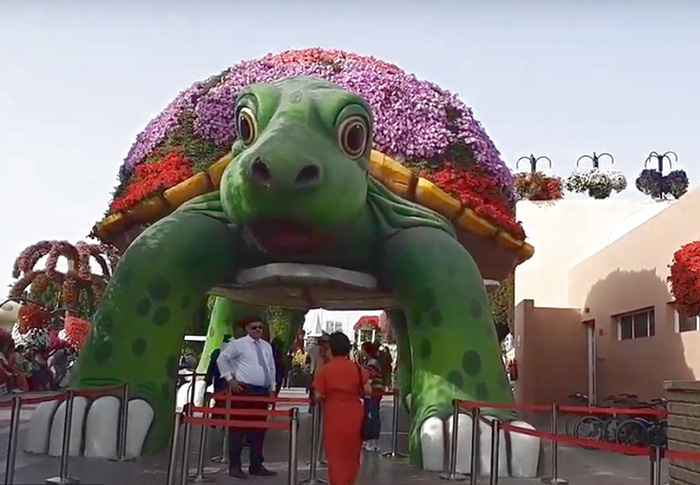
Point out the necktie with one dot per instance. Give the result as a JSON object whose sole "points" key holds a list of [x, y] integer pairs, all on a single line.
{"points": [[261, 361]]}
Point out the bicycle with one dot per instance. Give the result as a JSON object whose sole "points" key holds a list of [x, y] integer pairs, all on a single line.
{"points": [[644, 430]]}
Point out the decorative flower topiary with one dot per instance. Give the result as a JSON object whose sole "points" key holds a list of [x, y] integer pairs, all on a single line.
{"points": [[77, 287], [685, 279], [535, 185], [654, 183], [76, 331], [598, 183], [416, 123]]}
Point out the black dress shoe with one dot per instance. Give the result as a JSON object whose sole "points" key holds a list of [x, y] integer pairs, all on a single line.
{"points": [[237, 474], [262, 472]]}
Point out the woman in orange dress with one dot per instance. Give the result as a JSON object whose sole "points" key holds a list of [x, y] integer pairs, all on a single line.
{"points": [[339, 386]]}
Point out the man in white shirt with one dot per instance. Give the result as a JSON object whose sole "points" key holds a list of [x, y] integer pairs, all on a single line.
{"points": [[248, 366]]}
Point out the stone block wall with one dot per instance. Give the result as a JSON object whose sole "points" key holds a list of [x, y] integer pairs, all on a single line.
{"points": [[683, 429]]}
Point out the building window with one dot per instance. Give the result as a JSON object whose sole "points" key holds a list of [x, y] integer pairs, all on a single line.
{"points": [[332, 327], [687, 324], [635, 324]]}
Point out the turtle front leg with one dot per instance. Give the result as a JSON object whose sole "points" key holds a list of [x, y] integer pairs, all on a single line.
{"points": [[138, 330], [455, 351]]}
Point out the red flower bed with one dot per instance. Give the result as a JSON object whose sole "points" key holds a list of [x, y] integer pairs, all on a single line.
{"points": [[685, 279], [152, 178], [477, 192]]}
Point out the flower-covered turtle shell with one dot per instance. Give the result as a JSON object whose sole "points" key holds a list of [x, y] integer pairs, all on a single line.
{"points": [[423, 135]]}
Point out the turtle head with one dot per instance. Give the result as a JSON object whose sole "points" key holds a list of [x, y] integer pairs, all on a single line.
{"points": [[300, 161]]}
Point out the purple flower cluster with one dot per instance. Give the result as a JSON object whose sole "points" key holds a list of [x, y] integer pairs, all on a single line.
{"points": [[414, 120]]}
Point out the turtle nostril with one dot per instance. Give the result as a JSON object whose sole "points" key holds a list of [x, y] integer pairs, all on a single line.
{"points": [[260, 173], [308, 176]]}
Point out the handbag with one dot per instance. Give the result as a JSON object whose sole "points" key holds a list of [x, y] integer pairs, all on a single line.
{"points": [[366, 428]]}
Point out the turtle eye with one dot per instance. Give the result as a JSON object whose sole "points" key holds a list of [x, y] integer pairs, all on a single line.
{"points": [[247, 126], [353, 136]]}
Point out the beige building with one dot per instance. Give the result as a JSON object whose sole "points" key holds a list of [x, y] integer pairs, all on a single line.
{"points": [[593, 306]]}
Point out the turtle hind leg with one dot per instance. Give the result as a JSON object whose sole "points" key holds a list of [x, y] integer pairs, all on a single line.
{"points": [[137, 332], [453, 341], [403, 360]]}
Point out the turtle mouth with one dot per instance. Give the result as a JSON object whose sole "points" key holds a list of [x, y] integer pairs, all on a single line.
{"points": [[281, 236]]}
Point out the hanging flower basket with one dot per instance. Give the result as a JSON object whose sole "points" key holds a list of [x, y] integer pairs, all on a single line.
{"points": [[535, 185], [655, 184], [598, 183], [685, 279]]}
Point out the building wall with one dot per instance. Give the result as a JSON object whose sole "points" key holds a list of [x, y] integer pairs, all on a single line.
{"points": [[631, 274], [551, 352], [563, 232]]}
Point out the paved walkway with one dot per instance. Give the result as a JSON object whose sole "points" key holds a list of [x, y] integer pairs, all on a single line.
{"points": [[577, 465]]}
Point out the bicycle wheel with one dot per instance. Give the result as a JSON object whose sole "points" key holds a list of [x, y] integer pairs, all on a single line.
{"points": [[589, 427], [632, 433], [610, 426]]}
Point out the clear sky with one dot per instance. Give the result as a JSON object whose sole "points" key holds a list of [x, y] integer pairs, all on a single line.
{"points": [[79, 80]]}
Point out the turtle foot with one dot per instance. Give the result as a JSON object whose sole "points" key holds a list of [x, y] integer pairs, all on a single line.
{"points": [[518, 454], [94, 428]]}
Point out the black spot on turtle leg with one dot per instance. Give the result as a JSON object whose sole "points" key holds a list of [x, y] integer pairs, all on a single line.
{"points": [[139, 347], [475, 309], [471, 362], [482, 391], [103, 352]]}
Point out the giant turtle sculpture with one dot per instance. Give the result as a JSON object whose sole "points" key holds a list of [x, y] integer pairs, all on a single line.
{"points": [[348, 185]]}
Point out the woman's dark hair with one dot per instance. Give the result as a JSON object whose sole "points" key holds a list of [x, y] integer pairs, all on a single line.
{"points": [[339, 344]]}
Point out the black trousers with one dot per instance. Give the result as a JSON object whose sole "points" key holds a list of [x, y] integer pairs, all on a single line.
{"points": [[256, 437]]}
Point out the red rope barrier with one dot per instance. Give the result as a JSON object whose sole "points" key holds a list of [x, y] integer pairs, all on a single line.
{"points": [[238, 423], [38, 400], [98, 391], [570, 440], [613, 411], [239, 411], [567, 409], [497, 405], [682, 455], [270, 400]]}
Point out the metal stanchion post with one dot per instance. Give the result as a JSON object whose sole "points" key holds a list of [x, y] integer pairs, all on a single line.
{"points": [[655, 465], [123, 426], [554, 479], [186, 447], [476, 417], [316, 421], [452, 463], [319, 440], [395, 429], [495, 438], [223, 459], [200, 477], [172, 462], [12, 446], [292, 478], [63, 478]]}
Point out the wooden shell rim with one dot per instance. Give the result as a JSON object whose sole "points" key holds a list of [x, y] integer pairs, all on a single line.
{"points": [[396, 177]]}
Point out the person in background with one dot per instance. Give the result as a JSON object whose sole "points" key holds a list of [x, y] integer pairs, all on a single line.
{"points": [[320, 356], [280, 369], [248, 367], [387, 364], [213, 373], [340, 385], [372, 402]]}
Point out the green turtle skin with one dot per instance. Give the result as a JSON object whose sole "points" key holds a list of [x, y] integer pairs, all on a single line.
{"points": [[298, 191]]}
